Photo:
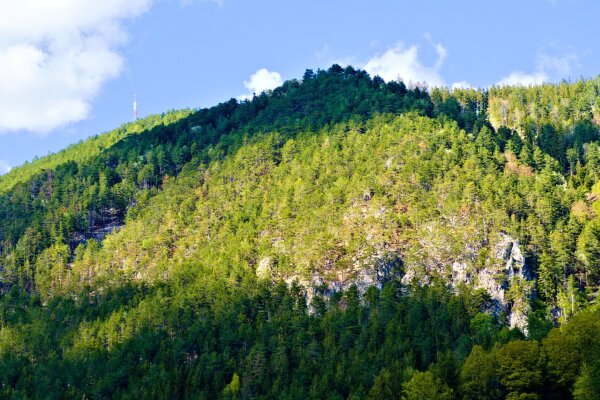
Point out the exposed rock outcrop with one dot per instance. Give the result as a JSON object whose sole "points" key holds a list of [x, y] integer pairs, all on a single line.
{"points": [[383, 268], [496, 264], [514, 275], [265, 268], [500, 268]]}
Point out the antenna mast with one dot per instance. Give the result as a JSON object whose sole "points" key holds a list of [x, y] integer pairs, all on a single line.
{"points": [[135, 114]]}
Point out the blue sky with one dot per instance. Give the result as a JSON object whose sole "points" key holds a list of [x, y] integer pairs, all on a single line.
{"points": [[70, 71]]}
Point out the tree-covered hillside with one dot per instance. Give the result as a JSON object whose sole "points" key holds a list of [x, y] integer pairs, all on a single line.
{"points": [[337, 237]]}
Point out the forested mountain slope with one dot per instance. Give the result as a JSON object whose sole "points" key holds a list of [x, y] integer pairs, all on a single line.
{"points": [[338, 237]]}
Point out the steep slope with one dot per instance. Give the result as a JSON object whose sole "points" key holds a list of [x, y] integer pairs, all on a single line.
{"points": [[86, 150], [355, 204], [76, 194], [328, 237]]}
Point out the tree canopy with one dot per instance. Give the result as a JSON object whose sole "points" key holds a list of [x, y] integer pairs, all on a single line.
{"points": [[223, 252]]}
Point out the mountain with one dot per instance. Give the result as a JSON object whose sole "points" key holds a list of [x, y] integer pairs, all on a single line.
{"points": [[337, 237]]}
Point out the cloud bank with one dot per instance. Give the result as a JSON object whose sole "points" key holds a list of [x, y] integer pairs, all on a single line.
{"points": [[4, 167], [518, 78], [403, 63], [55, 56], [261, 80], [547, 68]]}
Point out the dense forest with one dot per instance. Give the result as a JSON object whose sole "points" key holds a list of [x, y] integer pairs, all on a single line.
{"points": [[339, 237]]}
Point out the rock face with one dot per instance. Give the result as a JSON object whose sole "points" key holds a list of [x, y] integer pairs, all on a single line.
{"points": [[504, 275], [383, 268], [265, 268], [497, 265], [515, 274]]}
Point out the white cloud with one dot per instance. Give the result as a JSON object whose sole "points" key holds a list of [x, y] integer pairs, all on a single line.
{"points": [[442, 54], [220, 3], [4, 167], [55, 56], [563, 66], [461, 85], [518, 78], [547, 68], [262, 80], [400, 62]]}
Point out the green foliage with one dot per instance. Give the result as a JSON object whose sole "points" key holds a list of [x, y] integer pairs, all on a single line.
{"points": [[384, 387], [520, 369], [150, 262], [194, 338], [479, 376], [232, 390], [423, 385], [587, 386], [86, 150]]}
